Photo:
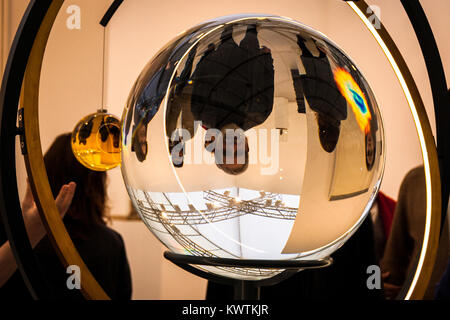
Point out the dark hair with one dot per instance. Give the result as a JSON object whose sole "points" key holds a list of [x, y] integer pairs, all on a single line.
{"points": [[88, 205], [329, 130], [235, 171]]}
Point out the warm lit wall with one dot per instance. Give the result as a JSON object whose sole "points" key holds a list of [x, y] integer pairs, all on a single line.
{"points": [[71, 88], [4, 34]]}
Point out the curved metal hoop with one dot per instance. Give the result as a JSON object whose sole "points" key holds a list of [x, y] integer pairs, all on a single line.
{"points": [[287, 267], [34, 161], [58, 235], [34, 31], [9, 99], [417, 284]]}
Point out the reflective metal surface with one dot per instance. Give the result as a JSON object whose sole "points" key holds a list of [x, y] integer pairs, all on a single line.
{"points": [[96, 141]]}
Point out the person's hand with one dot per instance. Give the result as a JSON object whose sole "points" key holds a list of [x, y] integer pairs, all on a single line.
{"points": [[33, 222], [391, 291], [64, 198]]}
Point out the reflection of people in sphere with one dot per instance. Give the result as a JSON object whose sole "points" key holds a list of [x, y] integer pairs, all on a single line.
{"points": [[139, 145], [85, 131], [176, 150], [144, 108], [235, 161], [328, 131], [232, 88], [370, 147], [321, 92], [110, 127]]}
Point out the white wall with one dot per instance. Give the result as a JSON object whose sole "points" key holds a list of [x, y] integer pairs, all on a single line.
{"points": [[71, 88]]}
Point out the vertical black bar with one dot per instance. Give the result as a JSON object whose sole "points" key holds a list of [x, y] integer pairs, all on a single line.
{"points": [[246, 290], [439, 90], [9, 99]]}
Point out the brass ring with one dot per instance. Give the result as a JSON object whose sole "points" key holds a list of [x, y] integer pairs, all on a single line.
{"points": [[34, 162]]}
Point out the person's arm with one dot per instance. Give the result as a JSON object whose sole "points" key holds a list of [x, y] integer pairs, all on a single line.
{"points": [[34, 227]]}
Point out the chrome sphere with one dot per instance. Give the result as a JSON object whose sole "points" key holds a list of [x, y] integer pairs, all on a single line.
{"points": [[252, 137]]}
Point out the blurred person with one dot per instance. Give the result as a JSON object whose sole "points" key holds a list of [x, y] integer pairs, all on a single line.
{"points": [[406, 237], [101, 248], [381, 214], [34, 227], [443, 287]]}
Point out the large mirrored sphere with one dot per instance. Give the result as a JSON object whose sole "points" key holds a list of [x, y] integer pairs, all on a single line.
{"points": [[252, 137]]}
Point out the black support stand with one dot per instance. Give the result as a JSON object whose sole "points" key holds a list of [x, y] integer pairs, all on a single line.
{"points": [[245, 289]]}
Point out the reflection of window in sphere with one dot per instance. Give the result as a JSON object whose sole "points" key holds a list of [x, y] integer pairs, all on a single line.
{"points": [[245, 138], [96, 141]]}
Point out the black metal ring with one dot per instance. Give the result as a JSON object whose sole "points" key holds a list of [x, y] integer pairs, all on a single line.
{"points": [[9, 100], [439, 89]]}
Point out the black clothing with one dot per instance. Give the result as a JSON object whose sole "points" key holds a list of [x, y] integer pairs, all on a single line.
{"points": [[443, 287], [319, 88], [234, 83], [152, 84], [103, 252], [318, 85], [298, 87], [345, 279]]}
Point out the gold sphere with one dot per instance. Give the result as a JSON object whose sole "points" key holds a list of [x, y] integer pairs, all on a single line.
{"points": [[96, 141]]}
